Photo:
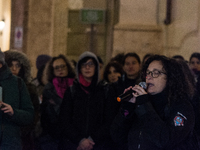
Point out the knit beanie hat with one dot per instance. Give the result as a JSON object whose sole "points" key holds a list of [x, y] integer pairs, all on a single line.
{"points": [[2, 57], [42, 60]]}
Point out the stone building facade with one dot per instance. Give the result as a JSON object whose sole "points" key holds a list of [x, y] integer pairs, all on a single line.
{"points": [[53, 27]]}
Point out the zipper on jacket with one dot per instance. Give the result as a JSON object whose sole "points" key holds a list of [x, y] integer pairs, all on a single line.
{"points": [[139, 139]]}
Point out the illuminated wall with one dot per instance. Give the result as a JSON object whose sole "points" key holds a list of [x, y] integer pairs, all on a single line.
{"points": [[5, 14]]}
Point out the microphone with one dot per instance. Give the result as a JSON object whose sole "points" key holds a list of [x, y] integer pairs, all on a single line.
{"points": [[128, 95]]}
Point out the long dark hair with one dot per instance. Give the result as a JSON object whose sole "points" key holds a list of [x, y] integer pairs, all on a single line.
{"points": [[50, 69], [116, 65], [176, 86]]}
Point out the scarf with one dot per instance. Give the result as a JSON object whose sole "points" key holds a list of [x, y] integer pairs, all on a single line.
{"points": [[84, 83], [61, 84]]}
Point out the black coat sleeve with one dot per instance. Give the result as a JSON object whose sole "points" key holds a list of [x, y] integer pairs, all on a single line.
{"points": [[122, 123], [170, 132]]}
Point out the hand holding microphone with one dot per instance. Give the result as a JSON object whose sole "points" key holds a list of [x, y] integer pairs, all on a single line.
{"points": [[130, 92]]}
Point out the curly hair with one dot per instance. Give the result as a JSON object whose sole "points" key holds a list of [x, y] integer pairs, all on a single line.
{"points": [[176, 88], [118, 67], [50, 69]]}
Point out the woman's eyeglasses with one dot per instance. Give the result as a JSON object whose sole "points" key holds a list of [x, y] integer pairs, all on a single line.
{"points": [[59, 67], [89, 64], [155, 73]]}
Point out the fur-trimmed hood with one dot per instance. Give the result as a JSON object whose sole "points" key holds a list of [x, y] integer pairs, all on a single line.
{"points": [[11, 55]]}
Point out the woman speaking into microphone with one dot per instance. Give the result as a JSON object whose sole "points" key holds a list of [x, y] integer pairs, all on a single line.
{"points": [[160, 117]]}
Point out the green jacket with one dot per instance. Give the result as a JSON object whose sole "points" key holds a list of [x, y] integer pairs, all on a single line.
{"points": [[17, 96]]}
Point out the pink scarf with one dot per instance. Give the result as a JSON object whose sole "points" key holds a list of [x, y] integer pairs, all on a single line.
{"points": [[84, 82], [61, 84]]}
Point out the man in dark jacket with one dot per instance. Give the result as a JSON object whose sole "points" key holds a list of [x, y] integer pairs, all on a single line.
{"points": [[16, 108], [131, 66]]}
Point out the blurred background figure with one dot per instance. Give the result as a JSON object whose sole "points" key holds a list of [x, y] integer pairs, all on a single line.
{"points": [[178, 57], [74, 63], [145, 58], [113, 71], [194, 63], [131, 67], [101, 67], [118, 58], [20, 66], [41, 80], [60, 75]]}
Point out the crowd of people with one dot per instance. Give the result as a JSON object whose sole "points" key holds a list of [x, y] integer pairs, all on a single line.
{"points": [[72, 105]]}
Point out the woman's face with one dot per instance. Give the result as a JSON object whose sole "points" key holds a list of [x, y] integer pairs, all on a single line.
{"points": [[15, 67], [156, 78], [113, 75], [60, 68], [195, 64], [88, 70]]}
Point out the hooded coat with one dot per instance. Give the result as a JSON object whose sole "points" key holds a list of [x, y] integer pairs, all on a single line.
{"points": [[87, 114], [25, 74], [19, 99]]}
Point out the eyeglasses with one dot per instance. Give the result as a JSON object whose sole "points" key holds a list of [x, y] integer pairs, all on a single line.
{"points": [[59, 67], [89, 64], [154, 73]]}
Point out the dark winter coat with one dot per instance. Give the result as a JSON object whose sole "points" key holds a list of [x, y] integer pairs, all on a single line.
{"points": [[50, 109], [28, 132], [152, 124], [87, 115], [19, 99], [87, 112]]}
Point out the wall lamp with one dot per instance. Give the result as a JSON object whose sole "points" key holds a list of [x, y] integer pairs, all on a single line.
{"points": [[2, 25]]}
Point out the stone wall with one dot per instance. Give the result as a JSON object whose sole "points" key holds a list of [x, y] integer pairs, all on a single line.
{"points": [[141, 28], [138, 29]]}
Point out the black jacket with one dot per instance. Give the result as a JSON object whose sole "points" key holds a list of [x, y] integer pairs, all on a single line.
{"points": [[152, 124], [50, 109], [87, 115]]}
